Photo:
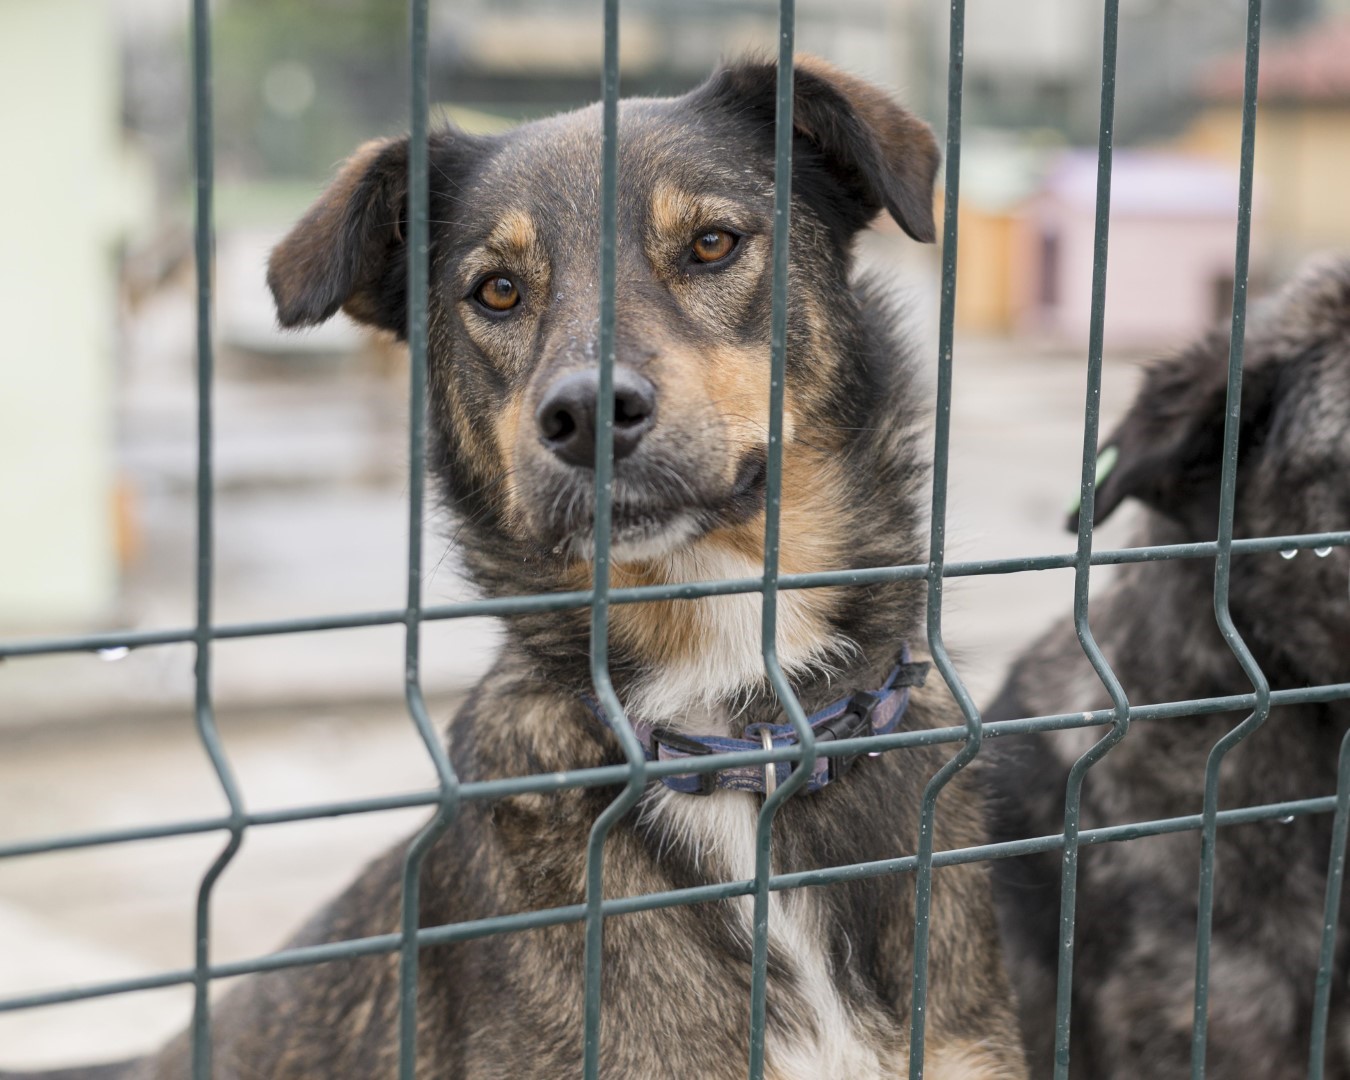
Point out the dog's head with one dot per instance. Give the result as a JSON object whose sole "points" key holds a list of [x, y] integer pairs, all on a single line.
{"points": [[1293, 472], [514, 297]]}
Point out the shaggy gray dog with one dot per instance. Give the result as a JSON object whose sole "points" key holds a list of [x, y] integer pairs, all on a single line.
{"points": [[1135, 968]]}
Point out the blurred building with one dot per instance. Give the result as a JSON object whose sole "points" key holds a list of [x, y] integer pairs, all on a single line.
{"points": [[1302, 134], [1033, 82], [1027, 231], [1170, 274], [665, 47], [1000, 172], [1038, 63], [66, 194]]}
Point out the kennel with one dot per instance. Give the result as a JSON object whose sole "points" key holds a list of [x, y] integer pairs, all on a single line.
{"points": [[451, 792]]}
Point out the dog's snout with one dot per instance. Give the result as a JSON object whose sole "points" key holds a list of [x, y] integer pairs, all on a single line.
{"points": [[566, 416]]}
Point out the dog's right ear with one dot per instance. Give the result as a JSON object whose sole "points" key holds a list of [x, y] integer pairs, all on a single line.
{"points": [[1169, 447], [859, 152]]}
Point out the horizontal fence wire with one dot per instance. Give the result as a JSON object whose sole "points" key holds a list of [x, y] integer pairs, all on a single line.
{"points": [[701, 894], [633, 775], [605, 776], [507, 606]]}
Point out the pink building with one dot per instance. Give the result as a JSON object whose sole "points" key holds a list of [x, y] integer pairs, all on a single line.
{"points": [[1172, 242]]}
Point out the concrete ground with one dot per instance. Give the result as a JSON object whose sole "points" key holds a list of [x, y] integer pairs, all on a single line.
{"points": [[89, 744]]}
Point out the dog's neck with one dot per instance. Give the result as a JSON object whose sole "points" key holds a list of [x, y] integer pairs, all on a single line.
{"points": [[705, 662], [702, 668]]}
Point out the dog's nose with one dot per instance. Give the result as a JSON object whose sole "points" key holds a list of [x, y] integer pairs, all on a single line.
{"points": [[566, 416]]}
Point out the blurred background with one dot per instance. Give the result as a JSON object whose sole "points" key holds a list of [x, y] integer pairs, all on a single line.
{"points": [[97, 390]]}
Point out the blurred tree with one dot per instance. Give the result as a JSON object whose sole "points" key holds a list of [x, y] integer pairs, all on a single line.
{"points": [[299, 82]]}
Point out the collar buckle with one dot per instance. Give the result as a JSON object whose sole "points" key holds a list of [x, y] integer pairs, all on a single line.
{"points": [[854, 722]]}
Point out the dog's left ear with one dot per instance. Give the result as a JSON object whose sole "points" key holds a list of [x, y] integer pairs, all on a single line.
{"points": [[870, 150], [1169, 447], [349, 250]]}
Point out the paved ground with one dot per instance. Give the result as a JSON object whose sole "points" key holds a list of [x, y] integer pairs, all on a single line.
{"points": [[86, 744]]}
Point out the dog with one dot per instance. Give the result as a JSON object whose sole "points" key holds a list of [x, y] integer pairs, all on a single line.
{"points": [[1135, 967], [513, 326]]}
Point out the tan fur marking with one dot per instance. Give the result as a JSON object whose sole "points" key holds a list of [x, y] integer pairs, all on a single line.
{"points": [[512, 246], [812, 494], [732, 382], [736, 381], [676, 213], [656, 631], [673, 210], [506, 427], [515, 232]]}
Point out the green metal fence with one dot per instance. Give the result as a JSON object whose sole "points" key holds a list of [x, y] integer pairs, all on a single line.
{"points": [[450, 791]]}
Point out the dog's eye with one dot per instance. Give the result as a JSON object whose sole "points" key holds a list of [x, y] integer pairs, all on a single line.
{"points": [[713, 246], [498, 293]]}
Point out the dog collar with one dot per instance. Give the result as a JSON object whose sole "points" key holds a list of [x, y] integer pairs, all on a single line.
{"points": [[864, 712]]}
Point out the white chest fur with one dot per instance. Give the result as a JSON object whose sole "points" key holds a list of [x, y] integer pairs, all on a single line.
{"points": [[718, 832], [727, 658]]}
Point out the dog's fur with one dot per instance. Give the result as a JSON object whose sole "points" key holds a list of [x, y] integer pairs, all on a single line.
{"points": [[1135, 965], [688, 506]]}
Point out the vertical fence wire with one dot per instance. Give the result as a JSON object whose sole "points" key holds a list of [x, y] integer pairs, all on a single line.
{"points": [[773, 501], [1223, 561], [923, 875], [1073, 793], [604, 505], [1330, 916], [418, 259], [207, 732]]}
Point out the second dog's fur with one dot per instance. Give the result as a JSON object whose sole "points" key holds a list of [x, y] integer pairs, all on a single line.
{"points": [[1135, 966]]}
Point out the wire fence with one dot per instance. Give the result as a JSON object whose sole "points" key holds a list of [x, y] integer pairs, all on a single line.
{"points": [[451, 792]]}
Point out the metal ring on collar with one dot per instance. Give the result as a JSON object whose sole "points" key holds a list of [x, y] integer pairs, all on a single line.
{"points": [[770, 768]]}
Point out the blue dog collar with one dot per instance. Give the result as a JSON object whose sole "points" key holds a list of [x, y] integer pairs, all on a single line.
{"points": [[864, 712]]}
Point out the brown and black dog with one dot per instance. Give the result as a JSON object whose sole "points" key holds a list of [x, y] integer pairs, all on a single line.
{"points": [[513, 347], [1134, 974]]}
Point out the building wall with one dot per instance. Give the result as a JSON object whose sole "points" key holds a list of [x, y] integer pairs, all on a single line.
{"points": [[1302, 170], [1164, 278], [991, 285], [59, 117]]}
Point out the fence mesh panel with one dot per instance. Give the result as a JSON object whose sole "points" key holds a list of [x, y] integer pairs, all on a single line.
{"points": [[636, 772]]}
